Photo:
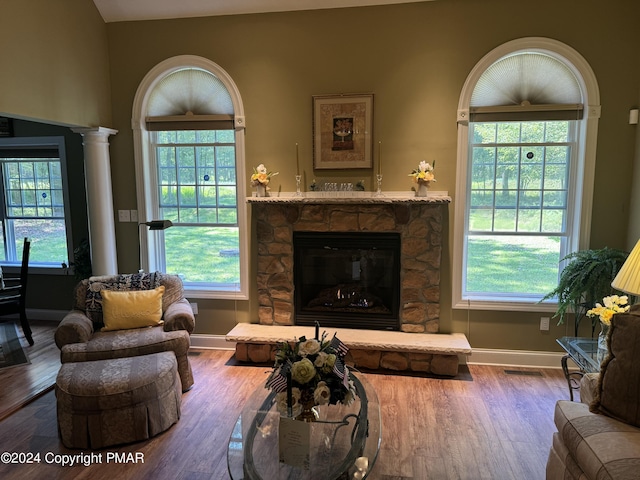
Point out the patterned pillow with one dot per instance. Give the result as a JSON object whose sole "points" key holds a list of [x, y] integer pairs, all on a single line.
{"points": [[618, 393], [130, 281]]}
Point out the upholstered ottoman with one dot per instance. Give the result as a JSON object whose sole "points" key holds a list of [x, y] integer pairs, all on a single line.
{"points": [[110, 402]]}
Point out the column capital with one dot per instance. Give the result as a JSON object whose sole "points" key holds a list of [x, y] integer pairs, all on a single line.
{"points": [[95, 132]]}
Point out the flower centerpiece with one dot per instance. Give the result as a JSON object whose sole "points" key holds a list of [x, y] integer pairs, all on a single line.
{"points": [[423, 176], [612, 304], [260, 179], [310, 372]]}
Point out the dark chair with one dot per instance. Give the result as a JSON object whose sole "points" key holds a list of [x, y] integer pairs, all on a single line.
{"points": [[14, 293]]}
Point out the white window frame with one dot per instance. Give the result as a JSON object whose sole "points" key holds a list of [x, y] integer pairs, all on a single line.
{"points": [[151, 245], [13, 257], [584, 170]]}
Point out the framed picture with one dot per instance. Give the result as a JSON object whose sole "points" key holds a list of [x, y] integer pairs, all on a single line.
{"points": [[342, 131]]}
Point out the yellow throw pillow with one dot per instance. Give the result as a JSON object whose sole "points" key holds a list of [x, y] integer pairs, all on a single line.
{"points": [[131, 309]]}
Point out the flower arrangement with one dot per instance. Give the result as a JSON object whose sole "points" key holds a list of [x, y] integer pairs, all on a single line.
{"points": [[310, 372], [612, 305], [261, 176], [424, 172]]}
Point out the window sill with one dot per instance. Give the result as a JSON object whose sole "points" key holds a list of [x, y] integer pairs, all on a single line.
{"points": [[14, 269], [215, 294], [515, 306]]}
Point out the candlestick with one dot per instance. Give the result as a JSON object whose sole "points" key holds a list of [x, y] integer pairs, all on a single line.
{"points": [[317, 330], [297, 161], [379, 158], [298, 192], [379, 191]]}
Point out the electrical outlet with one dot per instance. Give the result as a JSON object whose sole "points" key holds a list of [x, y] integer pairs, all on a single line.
{"points": [[194, 307], [544, 324], [134, 216], [124, 216]]}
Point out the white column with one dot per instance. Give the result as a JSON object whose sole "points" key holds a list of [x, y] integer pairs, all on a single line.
{"points": [[97, 170]]}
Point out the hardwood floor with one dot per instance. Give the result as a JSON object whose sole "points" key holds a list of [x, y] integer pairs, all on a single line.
{"points": [[23, 383], [485, 424]]}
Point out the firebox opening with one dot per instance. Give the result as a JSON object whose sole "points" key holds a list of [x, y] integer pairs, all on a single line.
{"points": [[347, 280]]}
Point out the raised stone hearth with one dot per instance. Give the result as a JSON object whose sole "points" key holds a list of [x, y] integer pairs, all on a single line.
{"points": [[418, 220], [418, 346], [437, 354]]}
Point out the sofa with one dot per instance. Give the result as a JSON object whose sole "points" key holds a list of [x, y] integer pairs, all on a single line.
{"points": [[599, 437], [147, 314]]}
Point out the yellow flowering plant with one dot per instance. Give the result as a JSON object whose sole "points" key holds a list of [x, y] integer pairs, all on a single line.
{"points": [[260, 176], [424, 172], [310, 372], [612, 305]]}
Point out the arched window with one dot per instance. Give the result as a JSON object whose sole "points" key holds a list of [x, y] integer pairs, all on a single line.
{"points": [[527, 123], [188, 123]]}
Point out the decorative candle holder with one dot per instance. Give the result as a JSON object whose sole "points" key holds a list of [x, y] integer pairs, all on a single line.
{"points": [[379, 191], [298, 192]]}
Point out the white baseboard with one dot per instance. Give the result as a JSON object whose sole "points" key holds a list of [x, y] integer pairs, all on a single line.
{"points": [[480, 356], [211, 342], [515, 358]]}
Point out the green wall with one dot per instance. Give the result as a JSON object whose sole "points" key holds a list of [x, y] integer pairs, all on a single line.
{"points": [[413, 57], [54, 62]]}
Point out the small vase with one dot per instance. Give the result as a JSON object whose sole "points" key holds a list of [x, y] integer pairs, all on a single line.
{"points": [[423, 189], [261, 190], [309, 413], [603, 345]]}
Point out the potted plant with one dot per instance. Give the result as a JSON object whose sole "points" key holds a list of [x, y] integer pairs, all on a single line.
{"points": [[585, 280], [82, 260]]}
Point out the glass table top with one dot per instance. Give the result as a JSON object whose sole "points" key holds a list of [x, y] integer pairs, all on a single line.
{"points": [[583, 351], [342, 440]]}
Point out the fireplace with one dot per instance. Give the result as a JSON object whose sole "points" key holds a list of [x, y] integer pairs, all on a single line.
{"points": [[416, 221], [347, 279]]}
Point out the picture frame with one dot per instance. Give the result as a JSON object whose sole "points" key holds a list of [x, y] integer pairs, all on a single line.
{"points": [[342, 131]]}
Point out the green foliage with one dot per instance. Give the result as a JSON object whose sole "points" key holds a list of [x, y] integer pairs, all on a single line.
{"points": [[82, 260], [585, 280]]}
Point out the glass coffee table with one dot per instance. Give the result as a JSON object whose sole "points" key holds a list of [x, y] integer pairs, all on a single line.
{"points": [[584, 352], [344, 442]]}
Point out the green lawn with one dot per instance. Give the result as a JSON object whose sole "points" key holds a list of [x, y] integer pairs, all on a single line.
{"points": [[196, 251], [512, 265]]}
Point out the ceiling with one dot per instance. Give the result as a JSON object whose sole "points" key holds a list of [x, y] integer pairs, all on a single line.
{"points": [[130, 10]]}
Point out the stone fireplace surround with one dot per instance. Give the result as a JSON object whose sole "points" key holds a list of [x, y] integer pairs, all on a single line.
{"points": [[417, 219], [419, 222]]}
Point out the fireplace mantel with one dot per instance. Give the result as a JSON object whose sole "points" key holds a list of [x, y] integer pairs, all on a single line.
{"points": [[353, 198]]}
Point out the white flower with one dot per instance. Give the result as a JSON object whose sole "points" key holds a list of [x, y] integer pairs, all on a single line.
{"points": [[303, 371], [321, 359], [424, 166], [281, 402], [309, 347], [614, 302], [321, 394], [261, 168]]}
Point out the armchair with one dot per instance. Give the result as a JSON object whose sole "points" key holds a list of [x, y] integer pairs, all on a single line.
{"points": [[86, 334], [599, 437]]}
